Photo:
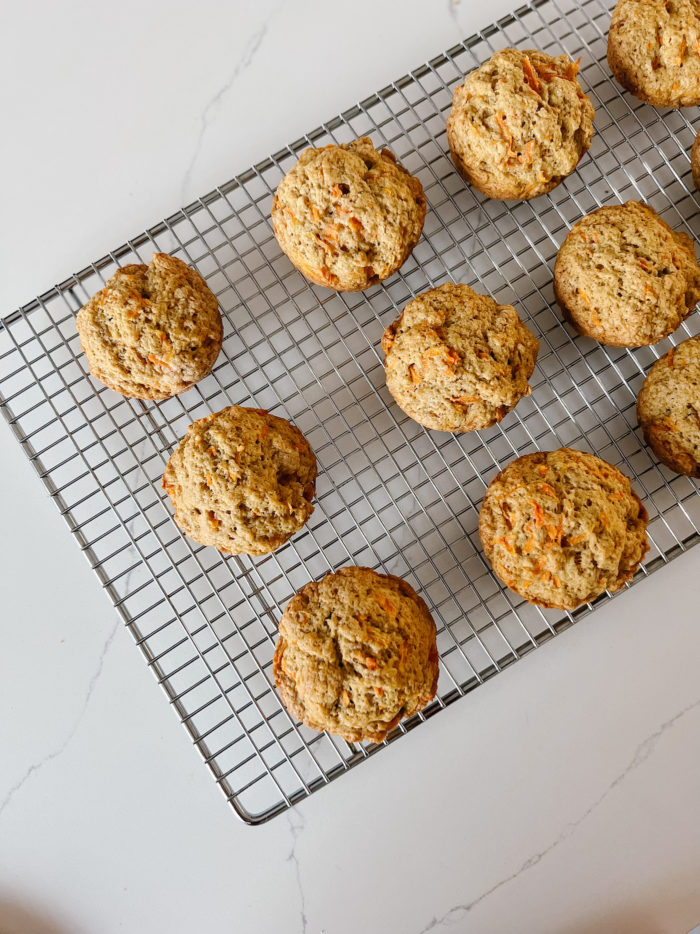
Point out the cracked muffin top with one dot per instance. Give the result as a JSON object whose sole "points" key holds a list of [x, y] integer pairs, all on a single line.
{"points": [[519, 124], [153, 331], [668, 408], [356, 653], [624, 277], [654, 50], [348, 216], [561, 527], [458, 361], [241, 480]]}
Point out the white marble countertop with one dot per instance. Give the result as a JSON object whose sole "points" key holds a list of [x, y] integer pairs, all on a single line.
{"points": [[562, 796]]}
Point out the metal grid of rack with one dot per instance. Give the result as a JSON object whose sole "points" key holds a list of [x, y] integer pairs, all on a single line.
{"points": [[390, 494]]}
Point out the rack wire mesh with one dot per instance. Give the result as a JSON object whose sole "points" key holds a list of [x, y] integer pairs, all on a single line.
{"points": [[390, 494]]}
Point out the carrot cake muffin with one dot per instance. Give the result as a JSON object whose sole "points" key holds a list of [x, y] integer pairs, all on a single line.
{"points": [[561, 527], [624, 278], [356, 653], [153, 331], [241, 480], [654, 50], [668, 408], [458, 361], [348, 216], [519, 124]]}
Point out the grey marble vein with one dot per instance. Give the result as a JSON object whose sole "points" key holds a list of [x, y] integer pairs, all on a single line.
{"points": [[244, 62], [37, 766], [458, 912], [296, 825]]}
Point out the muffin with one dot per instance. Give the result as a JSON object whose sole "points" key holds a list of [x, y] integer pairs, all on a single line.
{"points": [[458, 361], [519, 124], [356, 653], [624, 278], [668, 408], [561, 527], [153, 331], [695, 161], [348, 216], [241, 480], [654, 50]]}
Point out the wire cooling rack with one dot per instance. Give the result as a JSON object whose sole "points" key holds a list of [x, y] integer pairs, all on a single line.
{"points": [[391, 495]]}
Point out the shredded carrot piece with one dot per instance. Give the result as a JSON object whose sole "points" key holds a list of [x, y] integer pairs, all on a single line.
{"points": [[671, 354], [345, 698], [504, 511], [385, 604], [554, 532], [449, 356], [402, 655], [537, 511], [505, 544], [683, 49], [530, 76], [264, 432], [577, 539], [505, 132], [603, 520], [371, 662], [530, 545], [158, 362], [213, 521], [525, 158], [464, 400], [378, 691], [542, 470], [356, 224], [556, 581], [569, 72], [414, 374], [330, 232], [646, 265], [210, 480], [584, 297], [548, 489]]}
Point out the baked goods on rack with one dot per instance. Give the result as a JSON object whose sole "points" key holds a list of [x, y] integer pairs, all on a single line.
{"points": [[519, 124], [561, 527], [348, 216], [624, 277], [458, 361], [356, 653], [241, 480], [153, 331]]}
